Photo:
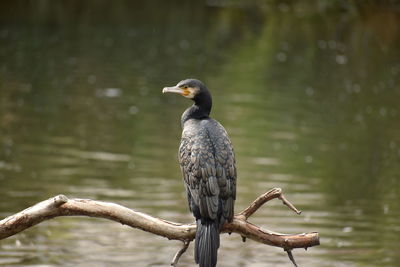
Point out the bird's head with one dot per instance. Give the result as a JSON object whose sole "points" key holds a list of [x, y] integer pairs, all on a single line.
{"points": [[189, 88], [198, 92]]}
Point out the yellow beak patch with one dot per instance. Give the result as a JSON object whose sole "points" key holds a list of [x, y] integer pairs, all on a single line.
{"points": [[186, 92]]}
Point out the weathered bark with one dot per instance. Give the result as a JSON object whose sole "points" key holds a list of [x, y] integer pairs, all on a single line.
{"points": [[62, 206]]}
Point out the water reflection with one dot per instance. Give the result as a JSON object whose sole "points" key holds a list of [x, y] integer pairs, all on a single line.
{"points": [[308, 94]]}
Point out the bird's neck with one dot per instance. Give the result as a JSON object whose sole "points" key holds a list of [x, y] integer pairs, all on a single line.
{"points": [[200, 110]]}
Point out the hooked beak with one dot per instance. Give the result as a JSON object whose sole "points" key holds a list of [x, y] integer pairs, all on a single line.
{"points": [[173, 89]]}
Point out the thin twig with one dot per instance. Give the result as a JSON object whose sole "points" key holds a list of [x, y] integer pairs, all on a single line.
{"points": [[261, 200], [290, 205], [289, 252], [178, 254], [264, 198]]}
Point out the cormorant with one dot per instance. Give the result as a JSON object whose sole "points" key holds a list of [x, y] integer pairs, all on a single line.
{"points": [[208, 166]]}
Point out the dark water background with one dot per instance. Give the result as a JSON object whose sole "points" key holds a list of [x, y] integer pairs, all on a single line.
{"points": [[309, 92]]}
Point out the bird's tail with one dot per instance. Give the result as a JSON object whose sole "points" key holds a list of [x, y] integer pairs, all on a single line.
{"points": [[206, 243]]}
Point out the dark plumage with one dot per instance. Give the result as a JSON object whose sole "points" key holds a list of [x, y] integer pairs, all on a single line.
{"points": [[208, 166]]}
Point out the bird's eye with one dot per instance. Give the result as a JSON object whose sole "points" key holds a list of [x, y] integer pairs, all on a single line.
{"points": [[184, 86]]}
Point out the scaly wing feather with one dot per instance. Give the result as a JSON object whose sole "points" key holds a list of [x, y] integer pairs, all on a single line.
{"points": [[208, 166]]}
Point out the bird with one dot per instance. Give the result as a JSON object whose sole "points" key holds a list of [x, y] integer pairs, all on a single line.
{"points": [[208, 166]]}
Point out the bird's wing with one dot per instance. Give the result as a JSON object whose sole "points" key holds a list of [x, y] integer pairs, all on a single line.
{"points": [[225, 168], [208, 165], [196, 157]]}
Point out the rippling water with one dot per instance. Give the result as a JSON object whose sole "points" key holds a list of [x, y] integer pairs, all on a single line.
{"points": [[309, 95]]}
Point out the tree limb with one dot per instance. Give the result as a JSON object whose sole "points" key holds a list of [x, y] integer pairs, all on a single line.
{"points": [[62, 206]]}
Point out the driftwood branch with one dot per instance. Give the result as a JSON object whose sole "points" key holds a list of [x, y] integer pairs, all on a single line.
{"points": [[62, 206]]}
